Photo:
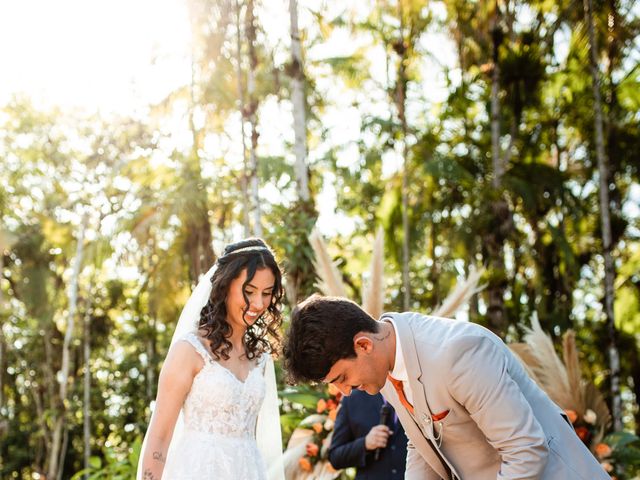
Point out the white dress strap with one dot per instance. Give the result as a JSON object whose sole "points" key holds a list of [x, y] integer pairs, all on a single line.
{"points": [[193, 339]]}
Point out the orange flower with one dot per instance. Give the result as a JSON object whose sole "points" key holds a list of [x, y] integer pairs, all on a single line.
{"points": [[321, 406], [607, 467], [582, 433], [312, 449], [333, 390], [317, 427], [331, 403], [305, 464], [602, 450], [573, 416], [333, 413]]}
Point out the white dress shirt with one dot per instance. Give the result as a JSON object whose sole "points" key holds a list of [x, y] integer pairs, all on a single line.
{"points": [[399, 371]]}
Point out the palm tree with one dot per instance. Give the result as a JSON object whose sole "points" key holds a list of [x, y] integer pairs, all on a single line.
{"points": [[299, 105], [251, 111], [244, 181], [401, 48], [605, 218]]}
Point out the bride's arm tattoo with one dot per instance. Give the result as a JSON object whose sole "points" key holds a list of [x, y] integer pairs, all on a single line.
{"points": [[148, 475], [159, 456]]}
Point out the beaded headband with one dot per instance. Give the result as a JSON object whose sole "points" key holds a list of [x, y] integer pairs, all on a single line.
{"points": [[248, 249], [243, 250]]}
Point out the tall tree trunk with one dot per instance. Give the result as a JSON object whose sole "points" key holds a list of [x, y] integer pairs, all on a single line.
{"points": [[63, 453], [300, 276], [605, 218], [252, 116], [87, 393], [244, 179], [495, 237], [299, 105], [54, 454], [496, 156], [41, 449], [50, 380], [401, 98]]}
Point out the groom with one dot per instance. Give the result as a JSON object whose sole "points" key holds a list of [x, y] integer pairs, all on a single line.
{"points": [[468, 407]]}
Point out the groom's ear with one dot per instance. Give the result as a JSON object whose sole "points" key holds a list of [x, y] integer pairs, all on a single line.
{"points": [[362, 343]]}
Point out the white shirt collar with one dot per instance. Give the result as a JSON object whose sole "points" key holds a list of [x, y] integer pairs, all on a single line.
{"points": [[399, 371]]}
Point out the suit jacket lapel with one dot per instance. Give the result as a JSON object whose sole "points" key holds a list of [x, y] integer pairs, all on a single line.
{"points": [[413, 431], [414, 369], [420, 405]]}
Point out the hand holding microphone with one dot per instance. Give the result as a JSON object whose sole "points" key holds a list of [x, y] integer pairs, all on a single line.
{"points": [[378, 436]]}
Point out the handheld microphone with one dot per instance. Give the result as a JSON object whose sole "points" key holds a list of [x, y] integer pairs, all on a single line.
{"points": [[385, 412]]}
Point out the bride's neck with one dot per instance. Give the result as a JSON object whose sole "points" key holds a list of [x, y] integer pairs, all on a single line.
{"points": [[237, 341]]}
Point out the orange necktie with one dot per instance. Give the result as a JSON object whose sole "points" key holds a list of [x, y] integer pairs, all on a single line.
{"points": [[397, 384]]}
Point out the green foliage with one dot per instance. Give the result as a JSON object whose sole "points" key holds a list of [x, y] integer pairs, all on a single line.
{"points": [[116, 466], [624, 458], [163, 193]]}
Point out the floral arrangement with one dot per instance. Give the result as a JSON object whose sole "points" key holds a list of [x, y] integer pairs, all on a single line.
{"points": [[586, 426], [619, 455], [317, 446]]}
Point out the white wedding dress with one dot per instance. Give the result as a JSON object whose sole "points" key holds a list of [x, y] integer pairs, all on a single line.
{"points": [[218, 440]]}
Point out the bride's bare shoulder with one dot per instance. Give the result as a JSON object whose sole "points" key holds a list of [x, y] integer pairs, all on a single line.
{"points": [[182, 358]]}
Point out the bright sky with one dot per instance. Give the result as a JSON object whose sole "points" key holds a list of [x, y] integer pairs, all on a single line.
{"points": [[118, 56], [111, 55]]}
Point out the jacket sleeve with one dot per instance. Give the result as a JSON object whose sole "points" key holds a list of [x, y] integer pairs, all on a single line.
{"points": [[346, 450], [480, 381], [417, 468]]}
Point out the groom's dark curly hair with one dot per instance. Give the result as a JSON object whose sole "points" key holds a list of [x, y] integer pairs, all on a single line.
{"points": [[251, 254], [320, 334]]}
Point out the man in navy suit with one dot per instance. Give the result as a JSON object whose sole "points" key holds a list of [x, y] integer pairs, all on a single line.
{"points": [[357, 435]]}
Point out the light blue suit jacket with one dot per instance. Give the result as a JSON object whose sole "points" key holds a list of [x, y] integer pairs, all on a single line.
{"points": [[500, 424]]}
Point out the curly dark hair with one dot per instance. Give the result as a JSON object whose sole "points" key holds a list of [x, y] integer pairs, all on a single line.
{"points": [[321, 333], [251, 254]]}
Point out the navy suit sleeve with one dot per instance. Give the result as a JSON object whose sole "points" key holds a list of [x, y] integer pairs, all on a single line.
{"points": [[346, 450]]}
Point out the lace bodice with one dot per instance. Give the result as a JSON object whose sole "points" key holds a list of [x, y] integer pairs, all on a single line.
{"points": [[220, 403], [218, 440]]}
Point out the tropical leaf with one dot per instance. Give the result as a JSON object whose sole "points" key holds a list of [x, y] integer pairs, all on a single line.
{"points": [[308, 399], [449, 170]]}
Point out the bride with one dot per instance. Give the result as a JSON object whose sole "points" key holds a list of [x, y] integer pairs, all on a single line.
{"points": [[216, 411]]}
